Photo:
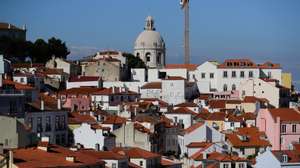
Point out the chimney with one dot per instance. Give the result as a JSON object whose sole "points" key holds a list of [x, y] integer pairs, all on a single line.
{"points": [[58, 104], [9, 26], [204, 155], [113, 89], [42, 105]]}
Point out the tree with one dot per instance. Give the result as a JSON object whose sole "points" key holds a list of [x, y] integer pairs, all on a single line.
{"points": [[58, 48], [40, 51], [133, 61]]}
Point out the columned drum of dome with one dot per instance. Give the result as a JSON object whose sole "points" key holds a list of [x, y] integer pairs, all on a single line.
{"points": [[150, 46]]}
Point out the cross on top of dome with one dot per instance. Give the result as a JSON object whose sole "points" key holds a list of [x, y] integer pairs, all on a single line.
{"points": [[149, 23]]}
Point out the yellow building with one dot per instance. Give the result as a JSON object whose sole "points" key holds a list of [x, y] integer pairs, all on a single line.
{"points": [[286, 79]]}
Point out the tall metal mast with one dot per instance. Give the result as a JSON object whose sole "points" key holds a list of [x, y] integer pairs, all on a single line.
{"points": [[185, 7]]}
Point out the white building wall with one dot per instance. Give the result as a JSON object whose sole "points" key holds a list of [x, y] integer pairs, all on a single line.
{"points": [[230, 81], [138, 74], [260, 89], [88, 137], [176, 72], [173, 91], [272, 73], [150, 93], [207, 68]]}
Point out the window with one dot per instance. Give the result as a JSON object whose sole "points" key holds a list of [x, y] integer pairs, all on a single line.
{"points": [[233, 74], [39, 126], [57, 139], [212, 75], [56, 122], [225, 165], [269, 75], [97, 147], [233, 87], [232, 124], [48, 123], [175, 119], [114, 165], [250, 74], [283, 128], [203, 75], [22, 80], [158, 58], [242, 74], [294, 128], [285, 158], [141, 163], [243, 93], [225, 88], [138, 54], [241, 165], [243, 151], [148, 56], [225, 75]]}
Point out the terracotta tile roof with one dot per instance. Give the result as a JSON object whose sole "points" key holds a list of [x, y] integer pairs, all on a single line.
{"points": [[54, 71], [237, 63], [217, 104], [205, 96], [251, 99], [247, 137], [109, 91], [152, 85], [217, 116], [293, 156], [269, 80], [84, 78], [199, 145], [161, 103], [168, 162], [182, 110], [141, 128], [81, 91], [104, 155], [114, 119], [27, 65], [174, 78], [135, 152], [80, 117], [18, 86], [269, 65], [186, 104], [249, 116], [189, 67], [54, 157], [285, 114], [98, 126], [193, 127], [224, 157], [204, 114]]}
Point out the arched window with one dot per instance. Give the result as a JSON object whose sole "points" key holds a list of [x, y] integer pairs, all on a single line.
{"points": [[148, 55], [138, 54], [225, 88], [233, 87]]}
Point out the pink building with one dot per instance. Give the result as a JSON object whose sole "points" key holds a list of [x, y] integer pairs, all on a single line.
{"points": [[78, 99], [281, 125]]}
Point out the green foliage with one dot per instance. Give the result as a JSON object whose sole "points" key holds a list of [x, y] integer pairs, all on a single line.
{"points": [[133, 61], [40, 51]]}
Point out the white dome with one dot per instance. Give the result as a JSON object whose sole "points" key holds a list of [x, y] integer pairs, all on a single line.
{"points": [[149, 39]]}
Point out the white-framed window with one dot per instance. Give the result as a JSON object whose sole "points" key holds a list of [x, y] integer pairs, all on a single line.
{"points": [[225, 75], [242, 74], [211, 75], [250, 74], [233, 74], [241, 165], [232, 124], [203, 75]]}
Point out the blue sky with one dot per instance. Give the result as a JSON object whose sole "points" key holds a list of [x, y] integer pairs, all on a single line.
{"points": [[257, 29]]}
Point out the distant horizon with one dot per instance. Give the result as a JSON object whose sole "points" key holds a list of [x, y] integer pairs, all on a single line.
{"points": [[261, 30]]}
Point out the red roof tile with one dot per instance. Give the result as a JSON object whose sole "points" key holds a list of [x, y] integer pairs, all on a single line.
{"points": [[152, 85], [189, 67], [134, 152], [285, 114], [84, 78]]}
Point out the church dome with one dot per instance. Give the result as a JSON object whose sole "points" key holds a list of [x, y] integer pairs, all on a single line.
{"points": [[149, 38]]}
